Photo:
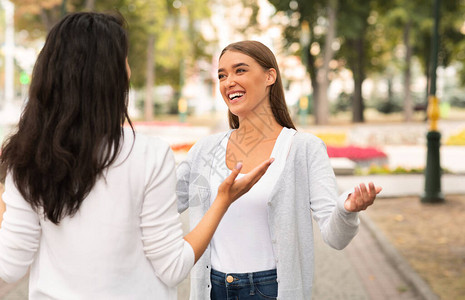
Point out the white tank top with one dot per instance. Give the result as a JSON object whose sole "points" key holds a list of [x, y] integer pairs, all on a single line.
{"points": [[242, 242]]}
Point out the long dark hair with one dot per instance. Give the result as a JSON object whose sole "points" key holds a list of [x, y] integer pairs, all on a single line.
{"points": [[266, 59], [72, 125]]}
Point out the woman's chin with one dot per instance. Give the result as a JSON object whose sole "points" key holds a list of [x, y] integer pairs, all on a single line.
{"points": [[237, 112]]}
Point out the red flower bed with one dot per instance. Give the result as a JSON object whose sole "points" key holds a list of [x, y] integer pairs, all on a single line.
{"points": [[355, 153], [182, 147], [350, 152]]}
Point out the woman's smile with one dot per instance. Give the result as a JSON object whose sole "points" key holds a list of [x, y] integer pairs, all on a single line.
{"points": [[235, 97]]}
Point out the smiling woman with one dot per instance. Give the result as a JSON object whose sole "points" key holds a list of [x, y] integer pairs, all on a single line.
{"points": [[263, 247]]}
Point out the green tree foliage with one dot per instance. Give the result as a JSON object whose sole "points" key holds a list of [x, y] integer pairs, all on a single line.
{"points": [[173, 25], [38, 16], [379, 38], [414, 18], [452, 35], [177, 37], [312, 25], [177, 34], [353, 30], [166, 43]]}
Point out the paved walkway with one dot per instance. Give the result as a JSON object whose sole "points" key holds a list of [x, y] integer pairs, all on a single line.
{"points": [[361, 271]]}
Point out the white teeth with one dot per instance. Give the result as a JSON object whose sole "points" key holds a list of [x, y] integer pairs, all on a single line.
{"points": [[232, 96]]}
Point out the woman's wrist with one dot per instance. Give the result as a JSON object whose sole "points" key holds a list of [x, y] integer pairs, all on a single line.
{"points": [[221, 203]]}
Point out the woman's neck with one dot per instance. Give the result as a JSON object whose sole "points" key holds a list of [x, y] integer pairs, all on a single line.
{"points": [[259, 125]]}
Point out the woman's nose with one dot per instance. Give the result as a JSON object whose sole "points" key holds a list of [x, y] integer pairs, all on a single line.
{"points": [[230, 81]]}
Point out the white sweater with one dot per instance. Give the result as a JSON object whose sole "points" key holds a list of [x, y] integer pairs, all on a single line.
{"points": [[125, 242], [306, 187]]}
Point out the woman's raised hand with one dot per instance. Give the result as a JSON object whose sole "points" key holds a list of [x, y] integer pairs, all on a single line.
{"points": [[231, 189], [362, 197]]}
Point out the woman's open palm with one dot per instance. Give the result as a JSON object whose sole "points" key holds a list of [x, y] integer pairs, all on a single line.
{"points": [[232, 189], [362, 197]]}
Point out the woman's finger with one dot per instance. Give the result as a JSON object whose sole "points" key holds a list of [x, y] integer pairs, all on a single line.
{"points": [[257, 173], [364, 193], [250, 179], [372, 189], [350, 203], [232, 177]]}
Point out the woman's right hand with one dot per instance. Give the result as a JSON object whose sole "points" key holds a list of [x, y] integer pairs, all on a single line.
{"points": [[231, 189]]}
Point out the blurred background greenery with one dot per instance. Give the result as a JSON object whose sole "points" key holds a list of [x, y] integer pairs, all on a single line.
{"points": [[335, 56]]}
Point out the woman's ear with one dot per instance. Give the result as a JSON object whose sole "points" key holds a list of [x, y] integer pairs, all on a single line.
{"points": [[270, 76]]}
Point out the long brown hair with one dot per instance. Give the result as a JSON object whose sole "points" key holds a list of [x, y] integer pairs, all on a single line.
{"points": [[266, 59], [72, 125]]}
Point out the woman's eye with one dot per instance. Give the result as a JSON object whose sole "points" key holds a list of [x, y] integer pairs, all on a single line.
{"points": [[220, 76], [240, 70]]}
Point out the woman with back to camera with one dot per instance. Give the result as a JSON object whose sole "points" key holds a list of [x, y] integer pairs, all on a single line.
{"points": [[90, 206], [263, 249]]}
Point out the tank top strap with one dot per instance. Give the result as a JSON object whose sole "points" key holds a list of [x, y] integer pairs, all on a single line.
{"points": [[283, 144]]}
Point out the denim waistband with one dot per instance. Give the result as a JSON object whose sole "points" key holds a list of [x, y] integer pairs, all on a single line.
{"points": [[255, 277]]}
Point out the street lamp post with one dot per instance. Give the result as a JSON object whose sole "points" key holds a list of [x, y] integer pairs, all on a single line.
{"points": [[64, 9], [433, 192]]}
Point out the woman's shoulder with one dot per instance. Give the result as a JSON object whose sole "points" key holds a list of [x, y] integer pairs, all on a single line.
{"points": [[212, 138], [209, 141], [137, 140], [142, 146], [307, 138], [306, 145]]}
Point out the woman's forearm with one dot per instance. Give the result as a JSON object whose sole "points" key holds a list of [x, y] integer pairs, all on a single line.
{"points": [[200, 236]]}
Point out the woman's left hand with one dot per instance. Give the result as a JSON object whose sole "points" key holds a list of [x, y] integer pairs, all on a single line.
{"points": [[362, 197]]}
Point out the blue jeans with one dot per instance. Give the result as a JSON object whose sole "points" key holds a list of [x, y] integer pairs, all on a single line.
{"points": [[244, 286]]}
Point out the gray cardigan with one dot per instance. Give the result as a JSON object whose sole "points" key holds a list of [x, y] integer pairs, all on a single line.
{"points": [[307, 187]]}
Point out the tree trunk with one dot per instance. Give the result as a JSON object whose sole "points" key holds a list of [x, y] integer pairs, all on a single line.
{"points": [[47, 18], [150, 78], [322, 109], [408, 103], [428, 79], [311, 68], [359, 76], [90, 5], [390, 100]]}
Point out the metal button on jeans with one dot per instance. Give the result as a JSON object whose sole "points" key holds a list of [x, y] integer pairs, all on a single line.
{"points": [[229, 279]]}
